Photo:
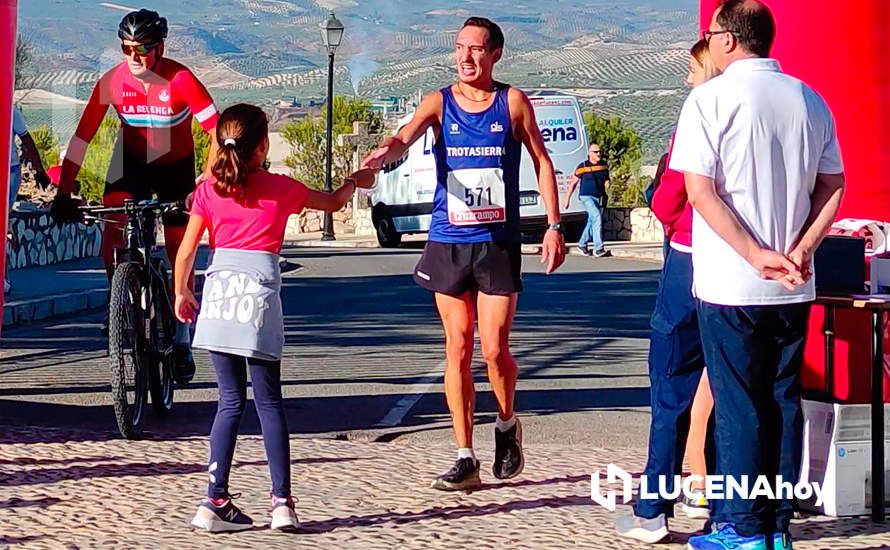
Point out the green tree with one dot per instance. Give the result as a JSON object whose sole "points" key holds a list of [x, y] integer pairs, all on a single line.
{"points": [[622, 150], [202, 146], [98, 157], [47, 144], [306, 139]]}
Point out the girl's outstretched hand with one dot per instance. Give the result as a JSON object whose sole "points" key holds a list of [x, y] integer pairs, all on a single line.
{"points": [[365, 178]]}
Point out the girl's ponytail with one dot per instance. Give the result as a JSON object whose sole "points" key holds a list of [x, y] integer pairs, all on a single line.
{"points": [[239, 133]]}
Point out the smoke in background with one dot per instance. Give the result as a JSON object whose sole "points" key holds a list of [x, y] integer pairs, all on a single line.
{"points": [[364, 38], [361, 66]]}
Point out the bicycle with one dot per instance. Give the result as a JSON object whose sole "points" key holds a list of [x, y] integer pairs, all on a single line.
{"points": [[141, 323]]}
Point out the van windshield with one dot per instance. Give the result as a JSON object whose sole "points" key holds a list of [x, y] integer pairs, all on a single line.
{"points": [[559, 124]]}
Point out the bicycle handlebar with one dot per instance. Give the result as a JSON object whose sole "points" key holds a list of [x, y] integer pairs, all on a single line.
{"points": [[142, 206]]}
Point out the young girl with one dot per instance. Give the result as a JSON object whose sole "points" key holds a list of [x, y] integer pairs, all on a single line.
{"points": [[245, 209]]}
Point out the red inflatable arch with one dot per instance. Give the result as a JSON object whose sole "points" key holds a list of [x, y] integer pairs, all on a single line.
{"points": [[8, 16]]}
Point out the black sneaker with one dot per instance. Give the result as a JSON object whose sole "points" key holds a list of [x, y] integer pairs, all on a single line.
{"points": [[463, 476], [603, 254], [584, 250], [220, 519], [185, 364], [508, 458]]}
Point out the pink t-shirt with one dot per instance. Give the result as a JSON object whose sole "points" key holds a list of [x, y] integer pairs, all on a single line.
{"points": [[259, 220]]}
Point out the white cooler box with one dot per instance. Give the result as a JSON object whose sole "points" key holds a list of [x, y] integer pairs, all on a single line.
{"points": [[837, 455]]}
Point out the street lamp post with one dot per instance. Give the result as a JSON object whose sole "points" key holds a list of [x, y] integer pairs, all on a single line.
{"points": [[332, 33]]}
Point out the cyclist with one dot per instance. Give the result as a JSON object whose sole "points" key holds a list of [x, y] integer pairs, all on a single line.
{"points": [[155, 99]]}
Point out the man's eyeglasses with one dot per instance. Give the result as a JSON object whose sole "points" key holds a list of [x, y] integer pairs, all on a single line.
{"points": [[708, 34], [141, 50]]}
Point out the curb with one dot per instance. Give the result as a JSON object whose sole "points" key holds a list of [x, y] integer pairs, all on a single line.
{"points": [[333, 244], [21, 312]]}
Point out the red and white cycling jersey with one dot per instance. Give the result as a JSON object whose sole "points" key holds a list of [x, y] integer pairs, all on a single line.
{"points": [[155, 122]]}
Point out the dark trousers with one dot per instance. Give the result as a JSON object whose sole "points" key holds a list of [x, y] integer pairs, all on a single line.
{"points": [[754, 355], [675, 368], [265, 377]]}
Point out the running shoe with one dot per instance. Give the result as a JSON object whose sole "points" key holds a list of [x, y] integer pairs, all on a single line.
{"points": [[222, 518], [584, 250], [463, 476], [726, 538], [284, 517], [602, 254], [695, 506], [782, 541], [645, 530], [508, 458]]}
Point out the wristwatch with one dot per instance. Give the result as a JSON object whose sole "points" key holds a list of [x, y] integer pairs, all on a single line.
{"points": [[555, 227]]}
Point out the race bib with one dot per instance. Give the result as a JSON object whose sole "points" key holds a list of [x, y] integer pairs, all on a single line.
{"points": [[476, 196]]}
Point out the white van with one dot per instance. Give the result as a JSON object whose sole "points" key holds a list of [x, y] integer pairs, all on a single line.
{"points": [[402, 199]]}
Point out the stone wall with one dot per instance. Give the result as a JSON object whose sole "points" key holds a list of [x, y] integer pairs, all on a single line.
{"points": [[616, 224], [645, 227], [37, 240]]}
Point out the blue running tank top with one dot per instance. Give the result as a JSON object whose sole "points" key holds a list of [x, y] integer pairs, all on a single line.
{"points": [[477, 170]]}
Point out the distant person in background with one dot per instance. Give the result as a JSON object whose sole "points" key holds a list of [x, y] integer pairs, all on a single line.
{"points": [[593, 175], [764, 175], [676, 360], [31, 156]]}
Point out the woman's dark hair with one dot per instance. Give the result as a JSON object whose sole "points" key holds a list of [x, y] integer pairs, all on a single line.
{"points": [[240, 131], [495, 34]]}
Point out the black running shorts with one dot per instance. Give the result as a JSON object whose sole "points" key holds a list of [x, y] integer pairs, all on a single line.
{"points": [[170, 182], [493, 268]]}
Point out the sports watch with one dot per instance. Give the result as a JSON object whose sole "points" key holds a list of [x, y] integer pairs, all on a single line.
{"points": [[555, 227]]}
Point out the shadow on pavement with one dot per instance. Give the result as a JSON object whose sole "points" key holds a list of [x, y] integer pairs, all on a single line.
{"points": [[73, 473], [450, 513]]}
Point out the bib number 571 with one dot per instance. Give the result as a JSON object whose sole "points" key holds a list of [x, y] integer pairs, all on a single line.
{"points": [[477, 197]]}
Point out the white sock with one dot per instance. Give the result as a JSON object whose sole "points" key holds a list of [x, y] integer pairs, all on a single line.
{"points": [[466, 452], [182, 333], [504, 425]]}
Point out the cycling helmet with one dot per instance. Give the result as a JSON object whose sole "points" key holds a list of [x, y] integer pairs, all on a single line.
{"points": [[144, 26]]}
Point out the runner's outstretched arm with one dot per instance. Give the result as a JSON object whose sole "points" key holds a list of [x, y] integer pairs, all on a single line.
{"points": [[526, 131], [429, 112]]}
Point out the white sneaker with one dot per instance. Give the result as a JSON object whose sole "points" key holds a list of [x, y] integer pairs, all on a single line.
{"points": [[645, 530], [695, 506], [284, 518]]}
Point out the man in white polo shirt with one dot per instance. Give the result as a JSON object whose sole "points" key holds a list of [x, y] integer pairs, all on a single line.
{"points": [[764, 175]]}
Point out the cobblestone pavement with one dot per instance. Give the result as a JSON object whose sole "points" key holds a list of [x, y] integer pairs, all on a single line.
{"points": [[353, 494]]}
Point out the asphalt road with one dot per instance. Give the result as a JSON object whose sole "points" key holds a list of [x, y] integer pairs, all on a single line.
{"points": [[364, 358]]}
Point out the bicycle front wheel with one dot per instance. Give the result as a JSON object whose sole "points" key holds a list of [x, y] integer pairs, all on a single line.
{"points": [[127, 351]]}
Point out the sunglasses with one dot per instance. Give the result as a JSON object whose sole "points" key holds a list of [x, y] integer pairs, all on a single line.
{"points": [[141, 50]]}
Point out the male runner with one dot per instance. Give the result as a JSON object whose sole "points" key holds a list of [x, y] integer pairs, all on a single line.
{"points": [[155, 99], [472, 261]]}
